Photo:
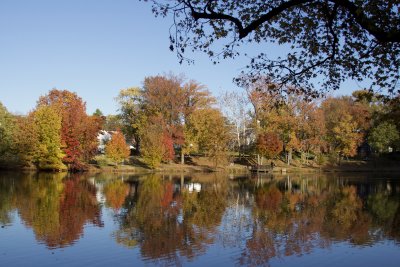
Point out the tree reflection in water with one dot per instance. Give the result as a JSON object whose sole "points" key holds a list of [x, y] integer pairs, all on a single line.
{"points": [[115, 192], [168, 222], [275, 219], [57, 207], [294, 221]]}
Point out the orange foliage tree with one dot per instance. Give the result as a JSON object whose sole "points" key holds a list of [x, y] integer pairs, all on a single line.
{"points": [[269, 145], [117, 149]]}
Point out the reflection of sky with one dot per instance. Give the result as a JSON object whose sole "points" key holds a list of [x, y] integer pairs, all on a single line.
{"points": [[97, 246]]}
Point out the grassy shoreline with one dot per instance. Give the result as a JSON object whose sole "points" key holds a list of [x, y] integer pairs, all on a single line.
{"points": [[204, 166]]}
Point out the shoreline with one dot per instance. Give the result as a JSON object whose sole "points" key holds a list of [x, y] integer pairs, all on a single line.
{"points": [[235, 169]]}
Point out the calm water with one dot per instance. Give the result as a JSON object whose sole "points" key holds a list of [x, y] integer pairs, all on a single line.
{"points": [[201, 220]]}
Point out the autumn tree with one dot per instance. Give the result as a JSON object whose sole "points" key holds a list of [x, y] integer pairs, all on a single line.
{"points": [[212, 135], [168, 147], [132, 115], [164, 95], [89, 141], [311, 129], [345, 136], [283, 120], [334, 40], [6, 132], [48, 125], [78, 132], [167, 99], [117, 149], [269, 145], [276, 114], [152, 145], [346, 124], [26, 139], [196, 96]]}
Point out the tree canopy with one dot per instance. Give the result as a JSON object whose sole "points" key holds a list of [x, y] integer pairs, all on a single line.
{"points": [[328, 41]]}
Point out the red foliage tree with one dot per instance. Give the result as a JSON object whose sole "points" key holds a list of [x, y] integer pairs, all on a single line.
{"points": [[168, 147], [78, 131], [269, 145]]}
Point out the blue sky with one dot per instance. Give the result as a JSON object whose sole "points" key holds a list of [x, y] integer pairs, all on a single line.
{"points": [[94, 48]]}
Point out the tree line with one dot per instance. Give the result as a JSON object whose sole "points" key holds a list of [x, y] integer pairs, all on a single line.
{"points": [[170, 118], [362, 124]]}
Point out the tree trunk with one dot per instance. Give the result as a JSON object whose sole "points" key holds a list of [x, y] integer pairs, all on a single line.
{"points": [[289, 156], [182, 157], [238, 138]]}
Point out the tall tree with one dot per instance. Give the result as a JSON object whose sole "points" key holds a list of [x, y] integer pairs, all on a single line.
{"points": [[168, 100], [26, 139], [312, 129], [235, 107], [6, 131], [48, 125], [209, 128], [346, 124], [383, 136], [152, 150], [269, 145], [196, 96], [79, 131], [332, 39], [132, 116]]}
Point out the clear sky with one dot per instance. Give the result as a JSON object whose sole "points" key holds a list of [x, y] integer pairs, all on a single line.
{"points": [[94, 48]]}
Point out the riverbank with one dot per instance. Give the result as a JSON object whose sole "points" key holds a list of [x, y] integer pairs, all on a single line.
{"points": [[204, 165]]}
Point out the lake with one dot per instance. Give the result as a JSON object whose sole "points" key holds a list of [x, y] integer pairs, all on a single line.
{"points": [[199, 220]]}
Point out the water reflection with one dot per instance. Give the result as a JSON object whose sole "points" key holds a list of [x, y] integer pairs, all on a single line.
{"points": [[169, 221], [173, 220], [55, 206]]}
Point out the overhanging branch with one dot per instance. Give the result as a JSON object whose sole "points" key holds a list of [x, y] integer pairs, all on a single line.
{"points": [[355, 11]]}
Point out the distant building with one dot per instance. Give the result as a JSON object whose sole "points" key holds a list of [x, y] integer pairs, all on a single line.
{"points": [[104, 137]]}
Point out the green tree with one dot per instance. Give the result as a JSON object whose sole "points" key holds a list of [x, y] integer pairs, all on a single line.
{"points": [[382, 136], [26, 139], [6, 132], [117, 149], [132, 114], [48, 125], [98, 113], [113, 123]]}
